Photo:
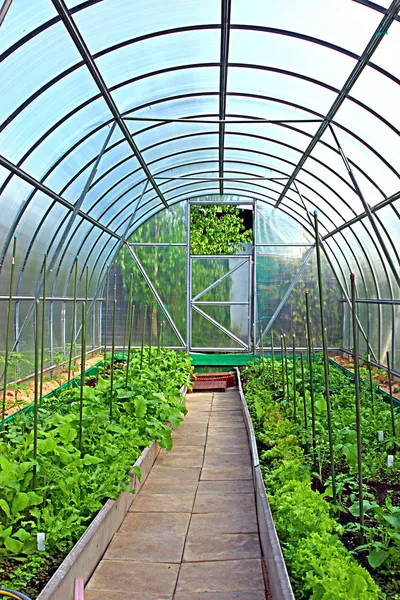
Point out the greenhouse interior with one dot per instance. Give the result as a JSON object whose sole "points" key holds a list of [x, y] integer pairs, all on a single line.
{"points": [[199, 326]]}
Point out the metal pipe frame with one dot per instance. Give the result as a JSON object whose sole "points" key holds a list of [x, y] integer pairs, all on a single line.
{"points": [[88, 59], [155, 294], [362, 62], [223, 79], [49, 298], [374, 301]]}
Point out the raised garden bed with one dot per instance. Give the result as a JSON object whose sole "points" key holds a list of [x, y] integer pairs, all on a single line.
{"points": [[82, 470]]}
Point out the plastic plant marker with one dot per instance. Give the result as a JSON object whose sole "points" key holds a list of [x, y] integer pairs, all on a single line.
{"points": [[391, 396], [128, 360], [143, 336], [71, 349], [36, 395], [325, 356], [303, 387], [390, 460], [381, 436], [113, 347], [43, 328], [10, 305], [106, 316], [310, 368], [294, 380], [82, 381], [357, 390]]}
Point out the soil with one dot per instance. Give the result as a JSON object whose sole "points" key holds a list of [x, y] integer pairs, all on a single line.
{"points": [[379, 377], [26, 395]]}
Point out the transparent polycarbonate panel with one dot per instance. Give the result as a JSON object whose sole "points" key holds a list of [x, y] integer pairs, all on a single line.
{"points": [[388, 323], [45, 112], [275, 227], [242, 106], [285, 87], [23, 18], [291, 54], [389, 227], [177, 82], [276, 155], [388, 48], [12, 201], [112, 21], [380, 136], [191, 170], [169, 131], [208, 336], [397, 338], [159, 53], [166, 268], [187, 188], [314, 19], [167, 226], [38, 70], [207, 274], [168, 148], [145, 305], [385, 102], [180, 158], [290, 320], [353, 260]]}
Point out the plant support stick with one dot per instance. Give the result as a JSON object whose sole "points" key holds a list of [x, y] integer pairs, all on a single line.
{"points": [[71, 349], [272, 359], [294, 380], [113, 347], [36, 396], [128, 316], [391, 400], [143, 335], [106, 318], [10, 304], [371, 385], [43, 328], [82, 382], [128, 360], [325, 354], [261, 349], [151, 333], [357, 390], [283, 366], [303, 385], [286, 366], [310, 368]]}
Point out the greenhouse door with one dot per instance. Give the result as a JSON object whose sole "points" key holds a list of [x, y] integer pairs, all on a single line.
{"points": [[220, 307]]}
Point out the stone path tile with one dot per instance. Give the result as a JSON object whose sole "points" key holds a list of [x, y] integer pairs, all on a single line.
{"points": [[169, 487], [163, 472], [226, 473], [155, 524], [227, 460], [142, 578], [179, 503], [165, 548], [223, 502], [200, 548], [221, 576], [229, 522], [179, 460], [189, 440], [125, 595], [260, 595], [239, 487]]}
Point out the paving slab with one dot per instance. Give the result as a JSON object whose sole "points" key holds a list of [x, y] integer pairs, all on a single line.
{"points": [[224, 546], [143, 578], [198, 439], [154, 524], [221, 576], [223, 502], [229, 522], [126, 595], [169, 487], [179, 460], [163, 472], [214, 450], [148, 502], [165, 548], [259, 595], [226, 473], [243, 486], [227, 460]]}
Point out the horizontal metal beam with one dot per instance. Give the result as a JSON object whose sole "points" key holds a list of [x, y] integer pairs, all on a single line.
{"points": [[48, 299], [88, 59], [362, 62], [374, 301], [4, 162], [188, 178], [219, 303], [216, 121], [152, 244]]}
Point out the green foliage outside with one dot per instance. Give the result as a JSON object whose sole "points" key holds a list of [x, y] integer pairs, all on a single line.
{"points": [[72, 487], [217, 229]]}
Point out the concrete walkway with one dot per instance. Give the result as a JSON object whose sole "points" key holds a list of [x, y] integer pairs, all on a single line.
{"points": [[192, 532]]}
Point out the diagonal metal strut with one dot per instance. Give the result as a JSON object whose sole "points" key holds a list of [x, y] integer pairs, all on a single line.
{"points": [[79, 42], [362, 62]]}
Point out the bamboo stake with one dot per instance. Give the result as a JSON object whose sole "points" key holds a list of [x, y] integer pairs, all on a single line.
{"points": [[162, 334], [128, 361], [371, 386], [261, 349], [303, 385], [272, 359], [113, 347], [36, 395], [71, 349], [151, 333], [143, 336], [294, 379], [283, 366], [43, 329], [310, 368], [391, 398], [106, 317], [325, 354], [286, 366], [82, 382], [357, 390], [159, 339], [128, 316], [10, 306]]}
